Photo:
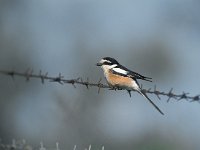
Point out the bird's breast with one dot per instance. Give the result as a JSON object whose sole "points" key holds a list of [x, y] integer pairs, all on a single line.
{"points": [[117, 80]]}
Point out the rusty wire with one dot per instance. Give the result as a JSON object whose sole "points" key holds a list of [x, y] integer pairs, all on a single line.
{"points": [[28, 74]]}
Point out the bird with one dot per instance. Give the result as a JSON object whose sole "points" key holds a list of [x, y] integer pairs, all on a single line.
{"points": [[119, 77]]}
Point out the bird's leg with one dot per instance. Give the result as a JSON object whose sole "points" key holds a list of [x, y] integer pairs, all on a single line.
{"points": [[116, 87], [113, 88], [129, 92]]}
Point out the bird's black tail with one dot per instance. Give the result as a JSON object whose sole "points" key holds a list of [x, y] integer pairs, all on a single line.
{"points": [[144, 94]]}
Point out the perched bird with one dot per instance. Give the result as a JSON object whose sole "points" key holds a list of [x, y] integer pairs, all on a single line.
{"points": [[120, 77]]}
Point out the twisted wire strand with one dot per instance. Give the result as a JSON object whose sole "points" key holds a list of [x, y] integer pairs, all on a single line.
{"points": [[28, 74]]}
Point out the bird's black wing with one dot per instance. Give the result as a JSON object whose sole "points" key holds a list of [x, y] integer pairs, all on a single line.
{"points": [[134, 75]]}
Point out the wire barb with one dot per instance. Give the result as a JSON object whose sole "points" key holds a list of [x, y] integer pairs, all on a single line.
{"points": [[170, 95], [157, 93], [184, 96], [196, 98], [58, 79], [99, 85]]}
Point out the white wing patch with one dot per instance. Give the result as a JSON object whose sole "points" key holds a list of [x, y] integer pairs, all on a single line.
{"points": [[120, 71], [112, 66]]}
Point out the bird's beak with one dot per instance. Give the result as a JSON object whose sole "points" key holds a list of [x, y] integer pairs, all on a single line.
{"points": [[99, 64]]}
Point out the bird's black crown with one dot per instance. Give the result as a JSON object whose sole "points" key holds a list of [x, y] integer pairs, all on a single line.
{"points": [[110, 60]]}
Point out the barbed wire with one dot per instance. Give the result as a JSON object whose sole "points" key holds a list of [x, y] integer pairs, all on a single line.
{"points": [[23, 145], [28, 74]]}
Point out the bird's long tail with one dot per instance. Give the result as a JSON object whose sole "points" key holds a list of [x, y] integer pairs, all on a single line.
{"points": [[144, 94]]}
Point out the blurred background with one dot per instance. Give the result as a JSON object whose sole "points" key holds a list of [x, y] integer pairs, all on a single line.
{"points": [[159, 39]]}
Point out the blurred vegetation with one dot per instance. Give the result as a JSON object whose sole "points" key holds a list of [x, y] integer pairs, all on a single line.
{"points": [[70, 37]]}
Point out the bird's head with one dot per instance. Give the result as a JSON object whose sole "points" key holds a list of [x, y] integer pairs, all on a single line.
{"points": [[107, 63]]}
